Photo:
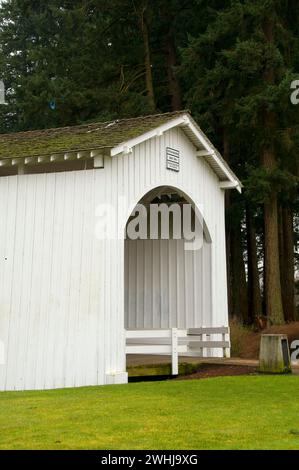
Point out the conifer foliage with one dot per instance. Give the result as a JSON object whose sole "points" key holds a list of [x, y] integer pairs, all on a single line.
{"points": [[231, 62]]}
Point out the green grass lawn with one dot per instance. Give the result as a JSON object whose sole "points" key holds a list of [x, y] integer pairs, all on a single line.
{"points": [[249, 412]]}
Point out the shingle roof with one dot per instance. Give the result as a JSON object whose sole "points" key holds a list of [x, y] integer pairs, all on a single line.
{"points": [[112, 136], [77, 138]]}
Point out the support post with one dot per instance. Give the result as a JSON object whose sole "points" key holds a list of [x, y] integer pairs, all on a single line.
{"points": [[208, 350], [226, 351], [174, 351], [21, 167], [201, 349]]}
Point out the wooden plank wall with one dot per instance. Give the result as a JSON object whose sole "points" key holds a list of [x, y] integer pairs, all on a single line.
{"points": [[165, 285], [62, 289]]}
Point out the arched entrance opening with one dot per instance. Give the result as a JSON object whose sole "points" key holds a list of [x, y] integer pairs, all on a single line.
{"points": [[167, 283]]}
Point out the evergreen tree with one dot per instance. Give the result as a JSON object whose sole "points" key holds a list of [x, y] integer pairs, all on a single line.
{"points": [[238, 72], [68, 62]]}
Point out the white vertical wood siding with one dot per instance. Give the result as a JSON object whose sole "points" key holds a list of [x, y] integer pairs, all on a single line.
{"points": [[61, 289], [165, 285]]}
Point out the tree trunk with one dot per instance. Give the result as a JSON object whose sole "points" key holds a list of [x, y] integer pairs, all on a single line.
{"points": [[236, 276], [254, 289], [147, 62], [173, 83], [239, 284], [287, 263], [273, 294]]}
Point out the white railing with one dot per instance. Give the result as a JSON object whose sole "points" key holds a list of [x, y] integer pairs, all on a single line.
{"points": [[175, 342]]}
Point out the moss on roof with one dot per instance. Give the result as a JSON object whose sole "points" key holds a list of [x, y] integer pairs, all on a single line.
{"points": [[76, 138]]}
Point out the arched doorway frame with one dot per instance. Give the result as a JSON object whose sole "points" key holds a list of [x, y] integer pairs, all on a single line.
{"points": [[190, 198], [153, 193]]}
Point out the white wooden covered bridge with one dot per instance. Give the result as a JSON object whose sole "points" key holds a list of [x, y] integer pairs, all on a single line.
{"points": [[73, 300]]}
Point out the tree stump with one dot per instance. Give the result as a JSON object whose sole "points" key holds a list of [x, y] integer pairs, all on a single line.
{"points": [[274, 355]]}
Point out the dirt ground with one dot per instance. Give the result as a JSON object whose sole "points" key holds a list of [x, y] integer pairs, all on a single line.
{"points": [[219, 371]]}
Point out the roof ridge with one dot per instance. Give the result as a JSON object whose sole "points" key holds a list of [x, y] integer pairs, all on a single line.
{"points": [[91, 124], [146, 116]]}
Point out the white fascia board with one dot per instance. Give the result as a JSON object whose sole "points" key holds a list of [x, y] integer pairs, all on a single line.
{"points": [[232, 182], [223, 168], [203, 153], [181, 121], [199, 136], [210, 151], [230, 185], [158, 131], [239, 188]]}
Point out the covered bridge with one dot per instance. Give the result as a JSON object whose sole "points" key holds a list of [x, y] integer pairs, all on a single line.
{"points": [[71, 280]]}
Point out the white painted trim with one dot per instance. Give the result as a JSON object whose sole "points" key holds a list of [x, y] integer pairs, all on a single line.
{"points": [[29, 160], [173, 341], [83, 154], [203, 153], [210, 151], [123, 147], [154, 349], [98, 161], [230, 185], [182, 121], [43, 159], [56, 157], [132, 334], [199, 136], [116, 378], [223, 168], [174, 352]]}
